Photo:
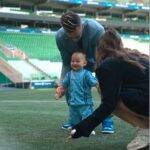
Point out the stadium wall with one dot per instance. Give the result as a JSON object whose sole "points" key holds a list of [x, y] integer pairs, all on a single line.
{"points": [[4, 79], [10, 72], [54, 24]]}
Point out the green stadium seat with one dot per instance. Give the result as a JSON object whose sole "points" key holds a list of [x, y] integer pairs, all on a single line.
{"points": [[41, 46]]}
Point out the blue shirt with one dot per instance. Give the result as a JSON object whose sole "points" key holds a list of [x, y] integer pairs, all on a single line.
{"points": [[79, 84], [91, 33]]}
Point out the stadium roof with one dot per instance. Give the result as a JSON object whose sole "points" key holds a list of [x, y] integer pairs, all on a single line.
{"points": [[123, 9], [89, 7], [144, 11], [22, 2], [81, 5], [59, 4]]}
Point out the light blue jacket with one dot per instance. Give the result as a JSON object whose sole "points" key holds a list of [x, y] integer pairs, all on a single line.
{"points": [[79, 84]]}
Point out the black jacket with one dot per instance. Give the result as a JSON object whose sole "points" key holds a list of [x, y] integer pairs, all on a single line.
{"points": [[119, 80]]}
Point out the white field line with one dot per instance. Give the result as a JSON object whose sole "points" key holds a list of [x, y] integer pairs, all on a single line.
{"points": [[37, 101], [30, 101]]}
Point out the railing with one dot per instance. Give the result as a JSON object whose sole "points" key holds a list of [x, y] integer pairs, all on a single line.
{"points": [[10, 72], [37, 68]]}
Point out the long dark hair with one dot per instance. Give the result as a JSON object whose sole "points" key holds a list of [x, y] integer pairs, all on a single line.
{"points": [[110, 45]]}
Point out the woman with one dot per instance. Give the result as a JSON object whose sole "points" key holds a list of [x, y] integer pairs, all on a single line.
{"points": [[123, 76]]}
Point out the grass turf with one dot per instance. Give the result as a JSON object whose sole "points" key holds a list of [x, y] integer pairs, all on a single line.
{"points": [[32, 119]]}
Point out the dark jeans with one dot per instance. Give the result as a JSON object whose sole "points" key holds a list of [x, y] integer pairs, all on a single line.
{"points": [[136, 101]]}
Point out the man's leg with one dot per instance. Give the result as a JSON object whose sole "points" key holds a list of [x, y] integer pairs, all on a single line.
{"points": [[108, 125]]}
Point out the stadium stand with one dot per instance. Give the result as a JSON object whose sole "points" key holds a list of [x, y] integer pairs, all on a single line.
{"points": [[10, 72], [27, 26], [91, 9], [35, 44], [43, 46]]}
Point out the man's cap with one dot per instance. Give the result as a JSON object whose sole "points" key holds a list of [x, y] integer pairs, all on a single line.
{"points": [[70, 21]]}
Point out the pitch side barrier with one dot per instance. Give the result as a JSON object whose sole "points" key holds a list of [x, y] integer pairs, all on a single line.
{"points": [[35, 84]]}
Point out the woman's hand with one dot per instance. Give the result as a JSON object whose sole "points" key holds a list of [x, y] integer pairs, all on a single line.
{"points": [[86, 126], [80, 130]]}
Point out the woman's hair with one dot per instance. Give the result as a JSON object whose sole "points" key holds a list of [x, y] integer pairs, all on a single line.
{"points": [[70, 21], [110, 45]]}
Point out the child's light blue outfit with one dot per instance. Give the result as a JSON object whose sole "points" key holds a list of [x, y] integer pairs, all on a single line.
{"points": [[80, 101]]}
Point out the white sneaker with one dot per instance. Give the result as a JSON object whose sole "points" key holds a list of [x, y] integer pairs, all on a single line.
{"points": [[140, 141], [93, 133]]}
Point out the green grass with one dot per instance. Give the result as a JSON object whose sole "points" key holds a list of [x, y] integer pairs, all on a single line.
{"points": [[31, 120]]}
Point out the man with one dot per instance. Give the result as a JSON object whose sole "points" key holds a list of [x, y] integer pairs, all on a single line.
{"points": [[76, 34]]}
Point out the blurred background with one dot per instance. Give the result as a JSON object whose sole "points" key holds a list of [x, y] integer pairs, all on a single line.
{"points": [[29, 57]]}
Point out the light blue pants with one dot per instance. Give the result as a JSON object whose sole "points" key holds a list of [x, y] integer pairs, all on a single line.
{"points": [[78, 113]]}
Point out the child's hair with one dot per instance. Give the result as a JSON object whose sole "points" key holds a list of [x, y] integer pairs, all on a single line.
{"points": [[80, 52], [70, 21]]}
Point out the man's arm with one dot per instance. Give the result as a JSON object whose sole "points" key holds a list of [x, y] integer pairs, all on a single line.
{"points": [[99, 32], [64, 70], [63, 53]]}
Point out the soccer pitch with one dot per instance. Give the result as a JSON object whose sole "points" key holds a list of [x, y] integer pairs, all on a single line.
{"points": [[32, 119]]}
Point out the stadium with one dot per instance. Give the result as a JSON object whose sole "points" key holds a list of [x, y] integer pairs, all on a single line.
{"points": [[30, 65]]}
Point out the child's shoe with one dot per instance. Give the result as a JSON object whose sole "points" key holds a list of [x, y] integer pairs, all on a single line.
{"points": [[108, 126], [67, 127]]}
